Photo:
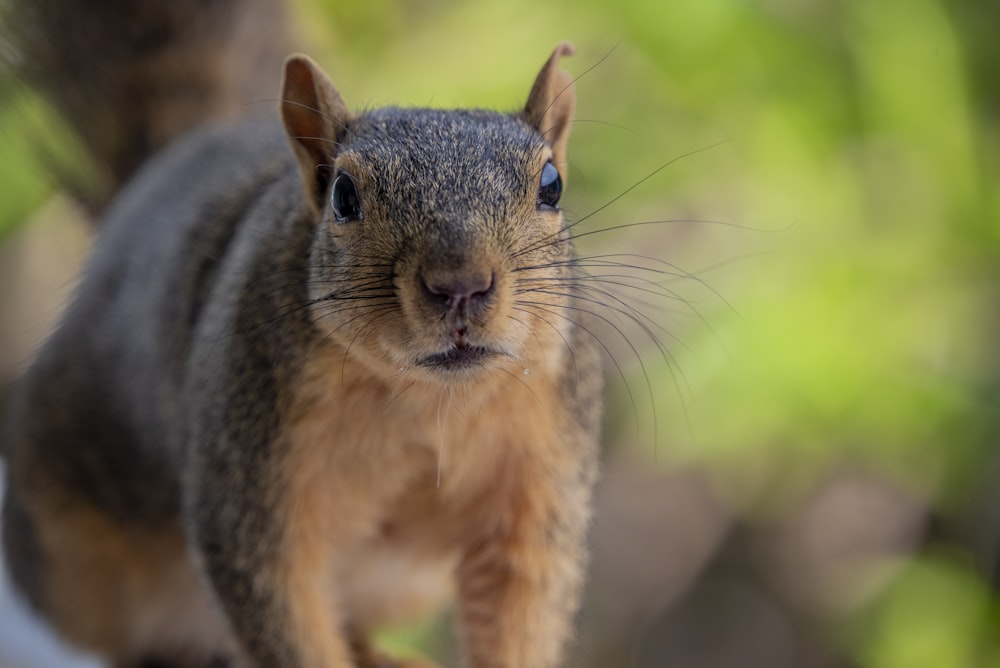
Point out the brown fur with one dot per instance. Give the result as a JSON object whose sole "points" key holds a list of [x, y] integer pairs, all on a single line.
{"points": [[127, 593], [133, 77], [437, 474]]}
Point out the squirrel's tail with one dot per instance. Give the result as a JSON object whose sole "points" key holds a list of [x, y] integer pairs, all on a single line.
{"points": [[130, 75]]}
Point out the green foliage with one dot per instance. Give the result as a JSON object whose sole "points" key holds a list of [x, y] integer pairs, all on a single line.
{"points": [[35, 145], [863, 330], [24, 184], [908, 630]]}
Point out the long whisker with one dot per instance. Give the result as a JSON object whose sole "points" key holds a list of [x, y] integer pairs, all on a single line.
{"points": [[632, 187], [628, 342]]}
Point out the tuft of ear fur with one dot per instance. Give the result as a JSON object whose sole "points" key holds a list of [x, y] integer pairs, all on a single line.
{"points": [[315, 119], [550, 104]]}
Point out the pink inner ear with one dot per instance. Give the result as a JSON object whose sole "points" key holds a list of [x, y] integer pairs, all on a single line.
{"points": [[298, 76], [312, 112], [312, 107], [299, 109]]}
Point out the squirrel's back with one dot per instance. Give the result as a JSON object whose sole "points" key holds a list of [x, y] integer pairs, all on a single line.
{"points": [[124, 341]]}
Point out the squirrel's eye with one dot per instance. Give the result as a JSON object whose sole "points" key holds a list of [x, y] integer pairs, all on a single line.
{"points": [[549, 186], [344, 199]]}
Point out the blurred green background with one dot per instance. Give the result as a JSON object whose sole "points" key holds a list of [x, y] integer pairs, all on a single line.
{"points": [[832, 228]]}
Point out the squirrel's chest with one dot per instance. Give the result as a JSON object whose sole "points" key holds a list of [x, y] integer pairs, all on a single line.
{"points": [[397, 479], [381, 444]]}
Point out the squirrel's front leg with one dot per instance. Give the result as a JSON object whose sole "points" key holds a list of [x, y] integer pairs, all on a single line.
{"points": [[259, 544], [520, 580]]}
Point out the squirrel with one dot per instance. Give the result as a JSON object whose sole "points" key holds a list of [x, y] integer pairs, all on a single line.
{"points": [[319, 375]]}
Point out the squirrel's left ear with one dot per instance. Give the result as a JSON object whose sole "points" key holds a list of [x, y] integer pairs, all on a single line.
{"points": [[315, 119], [550, 105]]}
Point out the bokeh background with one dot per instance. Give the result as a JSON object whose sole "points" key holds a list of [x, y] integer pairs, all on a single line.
{"points": [[796, 204]]}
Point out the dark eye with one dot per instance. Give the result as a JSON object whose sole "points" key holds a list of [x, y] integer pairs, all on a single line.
{"points": [[549, 186], [344, 199]]}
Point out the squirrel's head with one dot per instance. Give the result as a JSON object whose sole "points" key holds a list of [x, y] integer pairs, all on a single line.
{"points": [[440, 250]]}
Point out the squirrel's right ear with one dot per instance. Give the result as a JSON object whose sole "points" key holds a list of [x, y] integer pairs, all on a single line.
{"points": [[315, 119], [550, 104]]}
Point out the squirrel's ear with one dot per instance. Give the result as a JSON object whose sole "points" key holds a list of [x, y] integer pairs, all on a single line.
{"points": [[550, 105], [315, 119]]}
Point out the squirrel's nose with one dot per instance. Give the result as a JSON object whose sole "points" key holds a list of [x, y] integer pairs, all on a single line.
{"points": [[457, 289]]}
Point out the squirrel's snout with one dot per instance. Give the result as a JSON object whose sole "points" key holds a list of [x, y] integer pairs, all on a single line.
{"points": [[458, 319], [460, 298], [460, 291]]}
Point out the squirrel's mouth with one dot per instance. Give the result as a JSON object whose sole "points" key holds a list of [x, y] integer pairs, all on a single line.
{"points": [[459, 358]]}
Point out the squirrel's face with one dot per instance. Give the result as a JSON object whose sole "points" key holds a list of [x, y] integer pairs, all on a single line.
{"points": [[440, 250]]}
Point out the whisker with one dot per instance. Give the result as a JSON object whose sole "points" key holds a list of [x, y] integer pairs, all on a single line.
{"points": [[556, 310], [617, 280], [622, 194], [566, 344], [602, 261], [635, 317]]}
